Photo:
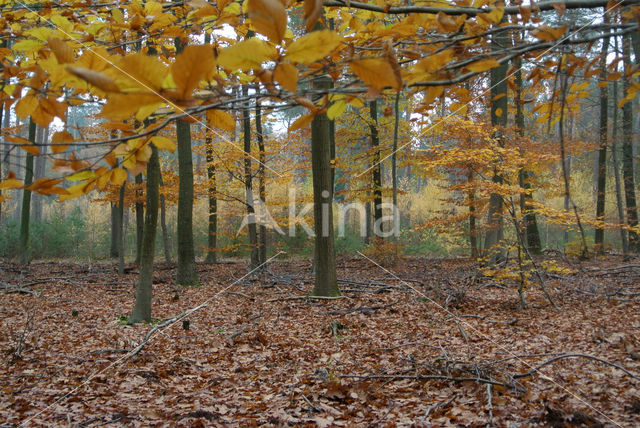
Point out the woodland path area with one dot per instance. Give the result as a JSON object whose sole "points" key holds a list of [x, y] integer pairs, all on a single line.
{"points": [[260, 353]]}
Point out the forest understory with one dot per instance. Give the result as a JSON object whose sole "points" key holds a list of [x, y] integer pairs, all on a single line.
{"points": [[428, 342]]}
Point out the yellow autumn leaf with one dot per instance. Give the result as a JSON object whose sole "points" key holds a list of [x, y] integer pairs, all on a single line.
{"points": [[376, 72], [247, 55], [118, 176], [498, 112], [313, 46], [139, 71], [220, 119], [436, 61], [124, 106], [163, 143], [287, 76], [268, 17], [336, 109], [191, 66], [82, 175], [95, 78], [27, 45], [483, 65], [493, 17], [11, 182]]}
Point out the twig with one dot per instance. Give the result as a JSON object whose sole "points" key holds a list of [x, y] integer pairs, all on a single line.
{"points": [[375, 423], [307, 298], [161, 326], [431, 377], [560, 357], [365, 309], [435, 406], [490, 404]]}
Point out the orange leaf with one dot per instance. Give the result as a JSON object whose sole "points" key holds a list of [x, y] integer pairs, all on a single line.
{"points": [[95, 78], [287, 76], [376, 72], [191, 66], [59, 138], [549, 34], [268, 17], [301, 122], [62, 51]]}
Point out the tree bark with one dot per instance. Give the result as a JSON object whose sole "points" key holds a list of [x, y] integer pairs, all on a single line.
{"points": [[531, 232], [616, 166], [248, 186], [40, 171], [120, 229], [394, 167], [139, 217], [24, 255], [602, 150], [213, 204], [163, 223], [142, 309], [377, 172], [627, 154], [262, 253], [186, 274], [326, 283], [495, 232]]}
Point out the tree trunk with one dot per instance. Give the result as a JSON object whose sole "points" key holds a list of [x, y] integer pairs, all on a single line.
{"points": [[213, 204], [377, 172], [531, 232], [163, 223], [616, 166], [139, 217], [394, 169], [40, 171], [142, 309], [627, 154], [262, 253], [25, 256], [186, 274], [326, 283], [248, 187], [495, 233], [120, 230], [2, 160], [602, 151]]}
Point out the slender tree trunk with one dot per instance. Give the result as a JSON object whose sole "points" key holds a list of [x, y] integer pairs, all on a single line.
{"points": [[163, 224], [40, 171], [120, 229], [142, 309], [1, 152], [186, 274], [262, 254], [495, 233], [394, 168], [25, 256], [627, 154], [473, 230], [531, 232], [213, 203], [139, 216], [377, 172], [248, 186], [616, 167], [326, 283], [602, 151]]}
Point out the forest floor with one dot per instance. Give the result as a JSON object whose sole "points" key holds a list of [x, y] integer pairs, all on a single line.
{"points": [[444, 346]]}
